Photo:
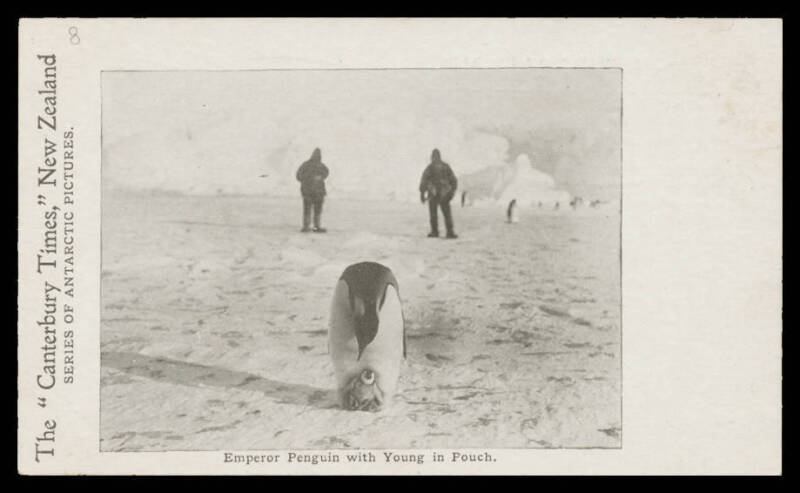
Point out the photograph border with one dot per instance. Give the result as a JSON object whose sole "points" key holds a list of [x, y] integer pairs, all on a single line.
{"points": [[376, 69]]}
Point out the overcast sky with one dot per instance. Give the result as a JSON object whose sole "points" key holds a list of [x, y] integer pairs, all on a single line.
{"points": [[219, 131]]}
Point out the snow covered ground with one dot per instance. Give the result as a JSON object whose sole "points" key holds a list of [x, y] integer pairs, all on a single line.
{"points": [[214, 322]]}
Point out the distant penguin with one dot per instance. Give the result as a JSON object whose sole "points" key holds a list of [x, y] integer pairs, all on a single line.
{"points": [[463, 198], [511, 212], [366, 336], [557, 205]]}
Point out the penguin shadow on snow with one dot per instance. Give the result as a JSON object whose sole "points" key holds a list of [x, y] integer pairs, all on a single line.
{"points": [[194, 375]]}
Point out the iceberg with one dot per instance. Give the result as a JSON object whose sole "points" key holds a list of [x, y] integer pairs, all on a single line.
{"points": [[517, 180]]}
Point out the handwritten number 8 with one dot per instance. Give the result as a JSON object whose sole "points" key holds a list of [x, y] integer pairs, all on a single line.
{"points": [[73, 35]]}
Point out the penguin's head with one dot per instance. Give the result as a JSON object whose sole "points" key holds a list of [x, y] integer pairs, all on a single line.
{"points": [[367, 377], [363, 392]]}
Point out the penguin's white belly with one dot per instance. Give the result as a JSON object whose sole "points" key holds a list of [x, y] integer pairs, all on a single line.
{"points": [[384, 355]]}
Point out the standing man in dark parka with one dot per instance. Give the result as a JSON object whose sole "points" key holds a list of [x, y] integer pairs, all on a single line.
{"points": [[311, 175], [438, 186]]}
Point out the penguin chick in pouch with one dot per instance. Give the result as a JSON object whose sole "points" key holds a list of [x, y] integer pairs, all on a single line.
{"points": [[366, 336]]}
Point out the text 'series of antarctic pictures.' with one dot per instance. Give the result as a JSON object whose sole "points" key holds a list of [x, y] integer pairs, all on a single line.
{"points": [[273, 278]]}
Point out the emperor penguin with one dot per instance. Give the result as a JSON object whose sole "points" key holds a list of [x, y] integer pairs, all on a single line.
{"points": [[366, 336], [511, 212]]}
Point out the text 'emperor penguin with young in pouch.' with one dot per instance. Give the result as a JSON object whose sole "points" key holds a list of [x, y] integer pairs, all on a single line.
{"points": [[366, 336]]}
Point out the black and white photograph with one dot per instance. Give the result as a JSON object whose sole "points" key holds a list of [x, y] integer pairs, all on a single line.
{"points": [[336, 259], [400, 246]]}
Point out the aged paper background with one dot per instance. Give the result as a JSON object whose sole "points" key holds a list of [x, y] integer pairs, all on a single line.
{"points": [[701, 242]]}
